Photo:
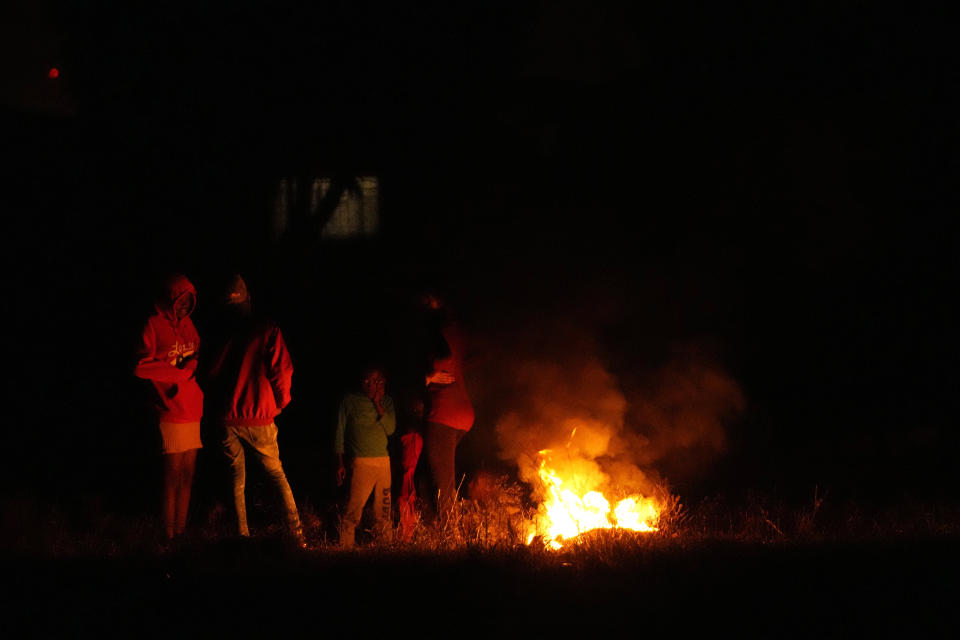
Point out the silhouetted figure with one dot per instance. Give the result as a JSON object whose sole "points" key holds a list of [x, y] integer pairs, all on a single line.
{"points": [[365, 422], [167, 358], [249, 385], [411, 445], [449, 412], [409, 366]]}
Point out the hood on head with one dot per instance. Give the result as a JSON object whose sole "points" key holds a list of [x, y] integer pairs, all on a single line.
{"points": [[175, 287]]}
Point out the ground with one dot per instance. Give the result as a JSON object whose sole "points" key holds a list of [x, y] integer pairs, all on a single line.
{"points": [[636, 585]]}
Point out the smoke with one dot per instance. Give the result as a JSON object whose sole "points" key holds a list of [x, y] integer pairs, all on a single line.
{"points": [[683, 405], [551, 393], [571, 406]]}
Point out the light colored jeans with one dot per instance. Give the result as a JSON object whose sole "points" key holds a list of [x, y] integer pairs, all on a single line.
{"points": [[370, 475], [262, 441]]}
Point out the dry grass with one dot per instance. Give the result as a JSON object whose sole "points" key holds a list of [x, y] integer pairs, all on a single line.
{"points": [[492, 519]]}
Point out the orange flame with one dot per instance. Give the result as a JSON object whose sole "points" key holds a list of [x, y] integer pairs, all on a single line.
{"points": [[564, 515]]}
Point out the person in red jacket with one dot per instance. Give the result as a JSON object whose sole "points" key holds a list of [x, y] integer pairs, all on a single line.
{"points": [[450, 413], [167, 357], [250, 378]]}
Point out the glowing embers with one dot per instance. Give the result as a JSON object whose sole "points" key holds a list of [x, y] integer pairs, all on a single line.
{"points": [[564, 514]]}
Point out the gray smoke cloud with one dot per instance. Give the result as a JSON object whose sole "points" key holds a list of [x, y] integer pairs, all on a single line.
{"points": [[547, 387]]}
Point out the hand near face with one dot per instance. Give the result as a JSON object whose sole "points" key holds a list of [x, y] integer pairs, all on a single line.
{"points": [[374, 385]]}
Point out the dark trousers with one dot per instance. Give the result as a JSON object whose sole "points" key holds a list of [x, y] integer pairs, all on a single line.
{"points": [[441, 444]]}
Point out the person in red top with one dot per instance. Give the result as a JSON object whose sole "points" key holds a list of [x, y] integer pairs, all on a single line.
{"points": [[250, 378], [167, 357], [449, 413]]}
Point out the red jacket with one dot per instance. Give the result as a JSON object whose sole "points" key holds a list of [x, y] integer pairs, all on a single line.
{"points": [[449, 403], [251, 375], [167, 357]]}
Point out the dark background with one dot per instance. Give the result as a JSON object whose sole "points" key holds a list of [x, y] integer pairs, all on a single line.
{"points": [[776, 183]]}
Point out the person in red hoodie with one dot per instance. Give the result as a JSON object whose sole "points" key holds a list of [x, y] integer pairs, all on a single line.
{"points": [[449, 413], [167, 357], [250, 379]]}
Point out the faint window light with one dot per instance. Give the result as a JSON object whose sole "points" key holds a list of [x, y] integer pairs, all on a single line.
{"points": [[356, 214]]}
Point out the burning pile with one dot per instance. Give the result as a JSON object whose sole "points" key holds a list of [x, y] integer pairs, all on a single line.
{"points": [[571, 507], [588, 442]]}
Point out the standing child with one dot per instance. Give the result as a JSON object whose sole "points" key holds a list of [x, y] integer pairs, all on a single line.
{"points": [[365, 422], [167, 357]]}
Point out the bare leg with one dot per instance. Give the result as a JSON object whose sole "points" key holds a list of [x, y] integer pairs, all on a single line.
{"points": [[169, 499], [188, 462]]}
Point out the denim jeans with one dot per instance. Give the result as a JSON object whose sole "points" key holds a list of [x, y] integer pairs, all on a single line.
{"points": [[262, 442]]}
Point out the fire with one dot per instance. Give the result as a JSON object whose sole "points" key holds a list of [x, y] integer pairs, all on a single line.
{"points": [[564, 514]]}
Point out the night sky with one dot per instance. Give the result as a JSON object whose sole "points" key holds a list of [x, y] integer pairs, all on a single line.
{"points": [[767, 189]]}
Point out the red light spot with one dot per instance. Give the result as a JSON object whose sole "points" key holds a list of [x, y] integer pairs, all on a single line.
{"points": [[53, 73]]}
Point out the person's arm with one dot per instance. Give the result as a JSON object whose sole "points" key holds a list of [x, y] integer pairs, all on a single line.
{"points": [[389, 418], [279, 368], [149, 367]]}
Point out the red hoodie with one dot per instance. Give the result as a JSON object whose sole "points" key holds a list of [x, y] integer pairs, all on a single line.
{"points": [[449, 403], [167, 357], [252, 375]]}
